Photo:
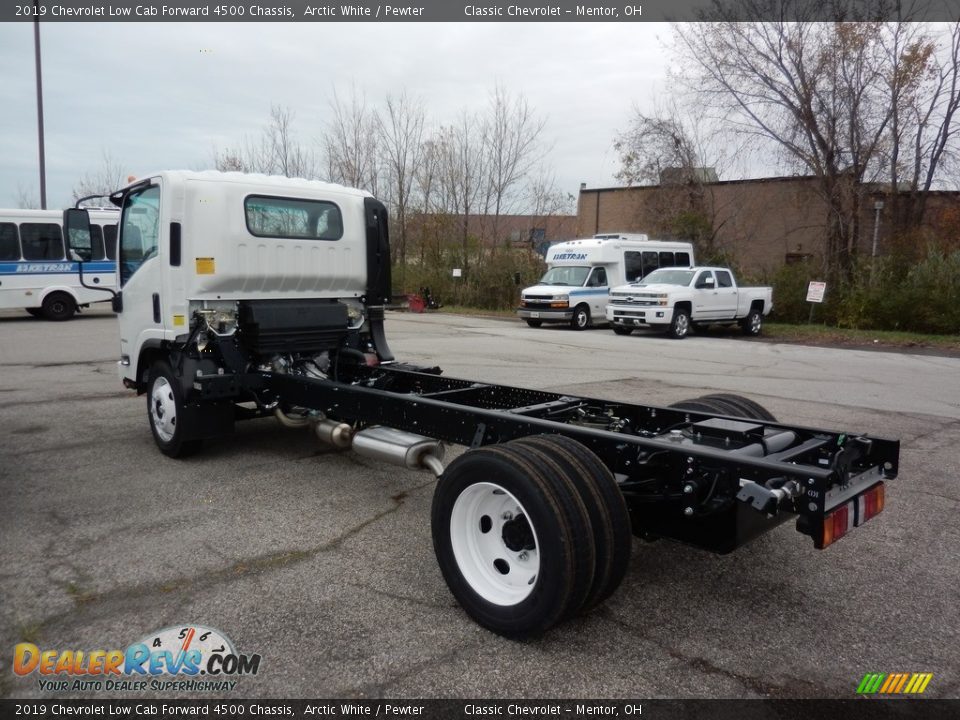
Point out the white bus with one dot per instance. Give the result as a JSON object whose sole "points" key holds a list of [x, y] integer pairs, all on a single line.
{"points": [[35, 273], [580, 274]]}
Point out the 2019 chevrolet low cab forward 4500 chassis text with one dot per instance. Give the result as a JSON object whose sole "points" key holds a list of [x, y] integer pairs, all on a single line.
{"points": [[246, 296]]}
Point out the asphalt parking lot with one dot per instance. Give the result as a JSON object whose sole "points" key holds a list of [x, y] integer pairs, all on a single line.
{"points": [[322, 561]]}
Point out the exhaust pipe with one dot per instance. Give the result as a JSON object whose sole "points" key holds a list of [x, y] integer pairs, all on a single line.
{"points": [[333, 433]]}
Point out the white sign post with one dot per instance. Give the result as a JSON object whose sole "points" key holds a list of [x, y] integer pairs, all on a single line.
{"points": [[815, 292]]}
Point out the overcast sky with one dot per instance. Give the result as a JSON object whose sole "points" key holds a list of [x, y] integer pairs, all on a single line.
{"points": [[164, 95]]}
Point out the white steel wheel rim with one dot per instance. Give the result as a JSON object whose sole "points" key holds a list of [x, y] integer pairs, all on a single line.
{"points": [[581, 318], [496, 572], [163, 409]]}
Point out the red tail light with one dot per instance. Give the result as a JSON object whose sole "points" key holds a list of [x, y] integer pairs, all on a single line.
{"points": [[851, 514]]}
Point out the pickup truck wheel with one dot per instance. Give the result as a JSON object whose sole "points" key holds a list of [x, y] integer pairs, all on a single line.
{"points": [[745, 406], [680, 325], [36, 312], [606, 508], [581, 317], [753, 323], [164, 410], [622, 329], [58, 306], [534, 323], [513, 540]]}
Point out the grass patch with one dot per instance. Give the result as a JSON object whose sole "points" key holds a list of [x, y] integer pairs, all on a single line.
{"points": [[823, 335]]}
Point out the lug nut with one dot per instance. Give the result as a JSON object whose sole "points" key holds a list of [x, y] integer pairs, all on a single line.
{"points": [[688, 488], [688, 511], [507, 515], [524, 555]]}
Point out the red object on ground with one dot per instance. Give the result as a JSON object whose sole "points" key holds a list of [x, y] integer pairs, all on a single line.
{"points": [[416, 303]]}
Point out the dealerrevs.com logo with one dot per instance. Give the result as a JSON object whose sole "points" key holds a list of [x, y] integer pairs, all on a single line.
{"points": [[183, 657]]}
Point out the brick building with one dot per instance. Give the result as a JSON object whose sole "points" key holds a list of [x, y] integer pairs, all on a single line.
{"points": [[762, 223]]}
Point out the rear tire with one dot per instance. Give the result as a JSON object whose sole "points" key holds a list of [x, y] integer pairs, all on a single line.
{"points": [[534, 323], [606, 507], [581, 318], [622, 329], [58, 306], [513, 540], [165, 406], [746, 407], [753, 323]]}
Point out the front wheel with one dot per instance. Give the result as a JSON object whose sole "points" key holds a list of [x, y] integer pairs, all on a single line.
{"points": [[165, 406], [581, 317], [534, 323], [753, 323], [36, 312], [622, 329], [680, 325]]}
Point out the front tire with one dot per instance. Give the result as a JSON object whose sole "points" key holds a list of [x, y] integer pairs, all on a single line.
{"points": [[534, 323], [165, 412], [581, 318], [513, 540], [622, 329], [36, 312], [680, 325], [58, 306]]}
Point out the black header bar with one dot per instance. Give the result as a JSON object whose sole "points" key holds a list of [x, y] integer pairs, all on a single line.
{"points": [[325, 11]]}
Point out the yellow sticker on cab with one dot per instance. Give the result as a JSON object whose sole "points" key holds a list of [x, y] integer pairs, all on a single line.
{"points": [[206, 266]]}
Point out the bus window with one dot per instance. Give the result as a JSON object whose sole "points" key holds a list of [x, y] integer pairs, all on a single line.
{"points": [[110, 241], [41, 241], [666, 259], [96, 242], [683, 259], [9, 246], [633, 266], [650, 262]]}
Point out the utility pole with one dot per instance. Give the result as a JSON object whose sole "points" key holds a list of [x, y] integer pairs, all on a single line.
{"points": [[36, 50]]}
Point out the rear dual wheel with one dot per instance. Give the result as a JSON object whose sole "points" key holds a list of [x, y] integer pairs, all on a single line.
{"points": [[529, 533], [727, 404]]}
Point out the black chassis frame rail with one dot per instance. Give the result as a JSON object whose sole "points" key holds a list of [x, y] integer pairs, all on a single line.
{"points": [[651, 468]]}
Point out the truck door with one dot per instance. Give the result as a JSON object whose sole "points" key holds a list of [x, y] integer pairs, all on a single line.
{"points": [[141, 320], [726, 300], [705, 297], [597, 282]]}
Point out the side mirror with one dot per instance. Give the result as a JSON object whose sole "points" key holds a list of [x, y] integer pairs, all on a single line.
{"points": [[76, 234]]}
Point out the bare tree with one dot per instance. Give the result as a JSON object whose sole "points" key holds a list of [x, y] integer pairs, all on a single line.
{"points": [[401, 128], [276, 151], [26, 198], [103, 181], [834, 98], [512, 147], [350, 143]]}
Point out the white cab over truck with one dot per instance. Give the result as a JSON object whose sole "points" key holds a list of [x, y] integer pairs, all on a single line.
{"points": [[580, 274], [678, 299], [246, 297]]}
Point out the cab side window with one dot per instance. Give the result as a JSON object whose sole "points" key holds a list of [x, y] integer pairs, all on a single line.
{"points": [[598, 278], [724, 279]]}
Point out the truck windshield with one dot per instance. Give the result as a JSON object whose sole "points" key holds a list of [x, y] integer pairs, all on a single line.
{"points": [[572, 276], [668, 277]]}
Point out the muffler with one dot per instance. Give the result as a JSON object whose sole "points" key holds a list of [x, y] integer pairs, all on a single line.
{"points": [[400, 448]]}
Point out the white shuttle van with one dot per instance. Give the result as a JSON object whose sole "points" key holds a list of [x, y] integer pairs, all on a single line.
{"points": [[580, 274], [37, 275]]}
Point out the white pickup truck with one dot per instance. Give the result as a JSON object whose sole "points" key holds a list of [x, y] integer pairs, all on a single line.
{"points": [[679, 299]]}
